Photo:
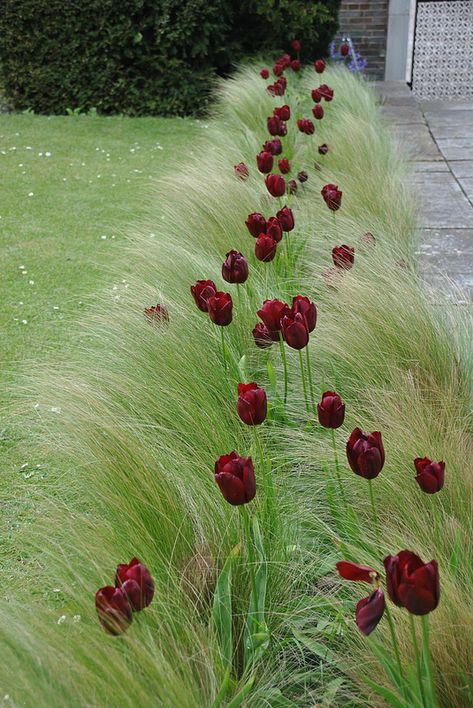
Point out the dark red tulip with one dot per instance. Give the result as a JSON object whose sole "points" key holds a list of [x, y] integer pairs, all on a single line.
{"points": [[331, 410], [284, 165], [302, 304], [135, 581], [343, 256], [275, 185], [235, 477], [353, 571], [318, 111], [278, 69], [323, 149], [411, 583], [302, 176], [261, 336], [201, 292], [319, 66], [280, 86], [283, 112], [286, 218], [264, 160], [265, 248], [113, 609], [220, 308], [157, 314], [332, 196], [271, 313], [295, 332], [274, 125], [285, 60], [292, 186], [273, 146], [296, 45], [365, 453], [264, 73], [241, 170], [235, 268], [256, 224], [306, 126], [369, 611], [271, 89], [252, 406], [316, 95], [344, 49], [295, 65], [430, 475], [326, 92], [274, 229]]}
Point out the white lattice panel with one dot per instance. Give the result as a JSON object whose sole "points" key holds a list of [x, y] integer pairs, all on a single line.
{"points": [[443, 50]]}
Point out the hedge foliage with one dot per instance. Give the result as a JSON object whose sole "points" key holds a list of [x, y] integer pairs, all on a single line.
{"points": [[143, 56]]}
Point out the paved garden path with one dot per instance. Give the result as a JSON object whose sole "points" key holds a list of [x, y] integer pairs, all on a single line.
{"points": [[437, 137]]}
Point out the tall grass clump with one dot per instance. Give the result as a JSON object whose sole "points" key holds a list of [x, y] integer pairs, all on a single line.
{"points": [[132, 419]]}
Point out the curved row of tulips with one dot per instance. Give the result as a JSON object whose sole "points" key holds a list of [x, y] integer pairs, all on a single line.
{"points": [[410, 583]]}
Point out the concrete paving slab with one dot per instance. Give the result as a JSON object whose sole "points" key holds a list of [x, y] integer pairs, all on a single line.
{"points": [[461, 168], [447, 253], [399, 115], [467, 186], [451, 105], [430, 166], [456, 148], [449, 119], [416, 142], [441, 200]]}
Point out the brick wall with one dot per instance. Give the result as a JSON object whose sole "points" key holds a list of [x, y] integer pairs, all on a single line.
{"points": [[366, 22]]}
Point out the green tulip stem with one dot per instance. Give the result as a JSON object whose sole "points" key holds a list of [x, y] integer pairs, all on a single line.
{"points": [[417, 656], [435, 512], [266, 472], [373, 507], [337, 466], [334, 219], [304, 385], [394, 641], [238, 295], [284, 363], [427, 660], [223, 349], [311, 383], [288, 253], [251, 558]]}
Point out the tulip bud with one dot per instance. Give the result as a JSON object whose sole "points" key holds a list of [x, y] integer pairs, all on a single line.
{"points": [[326, 92], [241, 170], [235, 477], [220, 308], [319, 66], [285, 60], [275, 185], [256, 224], [369, 611], [318, 111], [271, 89], [201, 292], [252, 405], [343, 256], [353, 571], [296, 45], [316, 95], [331, 410], [113, 610], [292, 186], [411, 583], [157, 314], [136, 583], [274, 229], [430, 475], [235, 268], [286, 218], [278, 69], [302, 176], [344, 49], [307, 309], [295, 332], [295, 65], [264, 160], [271, 313], [323, 149], [261, 336], [280, 86], [273, 146], [264, 73], [274, 125], [283, 112], [306, 126], [283, 165], [332, 196], [365, 453], [265, 248]]}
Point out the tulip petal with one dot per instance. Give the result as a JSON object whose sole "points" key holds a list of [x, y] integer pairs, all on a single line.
{"points": [[354, 571], [231, 487], [369, 611]]}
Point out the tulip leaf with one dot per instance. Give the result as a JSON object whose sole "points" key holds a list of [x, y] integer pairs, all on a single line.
{"points": [[272, 378], [222, 609], [385, 693], [315, 647], [242, 368], [256, 640], [240, 697]]}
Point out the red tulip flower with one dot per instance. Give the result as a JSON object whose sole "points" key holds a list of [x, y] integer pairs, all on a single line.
{"points": [[273, 146], [261, 336], [323, 149], [318, 111], [264, 73], [316, 95], [283, 112], [354, 571], [332, 196], [241, 170], [411, 583], [365, 453], [201, 292], [113, 609], [343, 256], [295, 65], [344, 49], [235, 477], [220, 308], [326, 92], [265, 248], [307, 309], [275, 185], [235, 268], [256, 224], [331, 410], [136, 583], [302, 176], [283, 165], [286, 218], [285, 60], [157, 314], [271, 313], [369, 611], [319, 66], [252, 406], [292, 186], [430, 475], [274, 125], [274, 229], [278, 69], [295, 332], [279, 87], [264, 160], [296, 45], [306, 126]]}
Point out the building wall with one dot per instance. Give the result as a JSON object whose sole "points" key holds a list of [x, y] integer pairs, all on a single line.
{"points": [[366, 22]]}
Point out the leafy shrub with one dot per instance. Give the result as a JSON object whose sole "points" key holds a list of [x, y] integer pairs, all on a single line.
{"points": [[142, 56]]}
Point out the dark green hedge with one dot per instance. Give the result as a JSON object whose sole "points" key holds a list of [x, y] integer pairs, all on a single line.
{"points": [[143, 56]]}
